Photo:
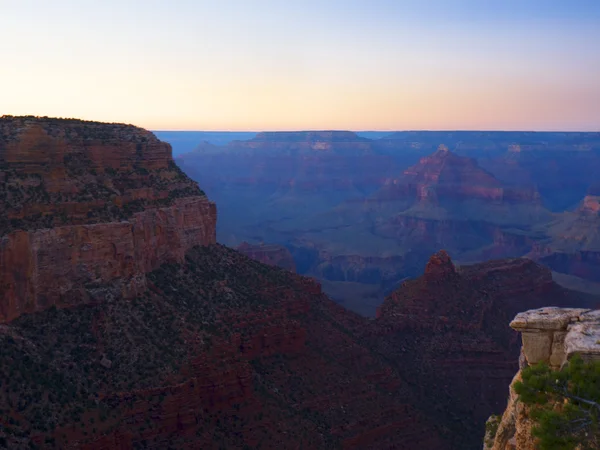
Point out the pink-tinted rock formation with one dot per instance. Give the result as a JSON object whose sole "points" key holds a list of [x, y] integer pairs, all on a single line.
{"points": [[440, 266], [445, 175]]}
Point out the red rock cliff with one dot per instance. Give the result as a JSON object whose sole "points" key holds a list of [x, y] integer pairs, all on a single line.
{"points": [[89, 205]]}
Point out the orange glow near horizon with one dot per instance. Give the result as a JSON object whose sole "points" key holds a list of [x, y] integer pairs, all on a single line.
{"points": [[389, 66], [430, 105]]}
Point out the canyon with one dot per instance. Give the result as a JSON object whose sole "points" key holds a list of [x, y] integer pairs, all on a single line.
{"points": [[361, 215], [126, 325]]}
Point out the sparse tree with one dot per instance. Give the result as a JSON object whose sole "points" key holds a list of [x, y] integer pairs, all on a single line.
{"points": [[564, 404]]}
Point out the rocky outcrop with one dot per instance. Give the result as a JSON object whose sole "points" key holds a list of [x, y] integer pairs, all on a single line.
{"points": [[451, 324], [440, 266], [88, 209], [552, 336], [544, 331], [271, 254]]}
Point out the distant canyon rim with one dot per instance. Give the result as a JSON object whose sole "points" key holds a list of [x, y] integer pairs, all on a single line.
{"points": [[361, 214]]}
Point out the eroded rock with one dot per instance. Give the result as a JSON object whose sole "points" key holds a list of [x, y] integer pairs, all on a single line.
{"points": [[553, 336]]}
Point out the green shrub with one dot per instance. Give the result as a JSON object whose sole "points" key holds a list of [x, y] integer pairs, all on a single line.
{"points": [[565, 404]]}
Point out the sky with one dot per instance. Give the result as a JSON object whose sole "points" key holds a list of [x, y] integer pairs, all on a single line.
{"points": [[251, 65]]}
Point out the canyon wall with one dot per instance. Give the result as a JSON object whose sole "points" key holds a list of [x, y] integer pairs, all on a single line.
{"points": [[88, 209]]}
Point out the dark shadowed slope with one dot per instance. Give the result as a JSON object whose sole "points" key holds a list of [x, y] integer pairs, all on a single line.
{"points": [[446, 334]]}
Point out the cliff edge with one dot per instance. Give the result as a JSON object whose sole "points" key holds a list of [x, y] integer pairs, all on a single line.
{"points": [[552, 336], [88, 209]]}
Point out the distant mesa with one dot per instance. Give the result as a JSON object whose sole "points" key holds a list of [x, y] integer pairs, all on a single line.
{"points": [[309, 136]]}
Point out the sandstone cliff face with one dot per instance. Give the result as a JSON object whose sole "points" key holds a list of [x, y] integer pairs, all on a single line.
{"points": [[88, 208], [553, 336]]}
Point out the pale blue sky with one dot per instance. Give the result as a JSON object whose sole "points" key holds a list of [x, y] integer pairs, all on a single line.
{"points": [[271, 64]]}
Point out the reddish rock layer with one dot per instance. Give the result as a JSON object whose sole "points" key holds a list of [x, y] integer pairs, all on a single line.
{"points": [[56, 267], [65, 172], [88, 209], [447, 176]]}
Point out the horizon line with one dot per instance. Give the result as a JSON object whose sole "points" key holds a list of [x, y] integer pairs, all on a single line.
{"points": [[324, 130]]}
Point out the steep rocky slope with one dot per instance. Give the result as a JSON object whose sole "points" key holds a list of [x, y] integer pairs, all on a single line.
{"points": [[87, 209], [222, 351], [219, 352], [450, 325]]}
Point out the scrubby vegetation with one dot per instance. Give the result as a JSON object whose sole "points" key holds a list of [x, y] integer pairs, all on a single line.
{"points": [[565, 404], [79, 172], [86, 370]]}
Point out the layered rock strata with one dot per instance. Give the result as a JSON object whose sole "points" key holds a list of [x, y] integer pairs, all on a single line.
{"points": [[88, 209]]}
